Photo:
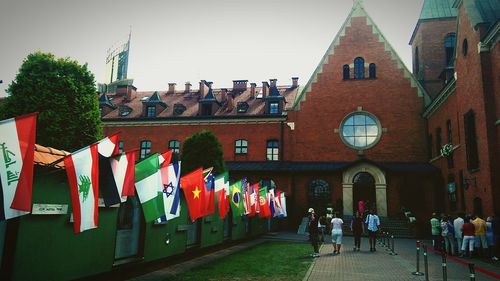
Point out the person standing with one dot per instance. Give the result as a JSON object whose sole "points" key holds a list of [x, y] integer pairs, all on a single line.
{"points": [[447, 230], [357, 228], [361, 206], [336, 233], [373, 225], [468, 232], [322, 227], [313, 232], [457, 225], [480, 235], [436, 232], [490, 238]]}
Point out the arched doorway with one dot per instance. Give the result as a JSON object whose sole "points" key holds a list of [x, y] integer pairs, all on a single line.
{"points": [[364, 189], [319, 195], [379, 182]]}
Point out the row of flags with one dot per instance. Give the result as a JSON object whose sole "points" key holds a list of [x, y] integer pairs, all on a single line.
{"points": [[100, 169]]}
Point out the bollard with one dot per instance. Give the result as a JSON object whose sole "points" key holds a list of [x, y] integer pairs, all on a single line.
{"points": [[472, 272], [443, 264], [388, 246], [392, 248], [426, 264], [417, 272]]}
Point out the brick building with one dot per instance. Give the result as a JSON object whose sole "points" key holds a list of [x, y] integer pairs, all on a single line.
{"points": [[358, 130], [464, 116]]}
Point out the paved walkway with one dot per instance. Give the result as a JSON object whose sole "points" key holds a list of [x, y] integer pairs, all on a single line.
{"points": [[350, 265]]}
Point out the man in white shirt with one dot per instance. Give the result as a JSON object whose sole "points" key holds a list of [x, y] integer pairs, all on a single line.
{"points": [[457, 225], [373, 223]]}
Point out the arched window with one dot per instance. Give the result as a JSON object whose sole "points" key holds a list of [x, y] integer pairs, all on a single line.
{"points": [[174, 145], [372, 69], [449, 45], [240, 147], [145, 148], [359, 68], [319, 194], [346, 72], [272, 150]]}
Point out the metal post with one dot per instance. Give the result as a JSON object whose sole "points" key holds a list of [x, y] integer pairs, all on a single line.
{"points": [[426, 264], [472, 272], [417, 272], [388, 246], [392, 248], [443, 264]]}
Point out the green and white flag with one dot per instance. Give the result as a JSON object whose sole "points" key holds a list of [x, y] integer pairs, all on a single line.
{"points": [[148, 185]]}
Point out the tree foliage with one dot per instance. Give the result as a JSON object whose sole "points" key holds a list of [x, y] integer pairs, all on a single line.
{"points": [[202, 149], [64, 95]]}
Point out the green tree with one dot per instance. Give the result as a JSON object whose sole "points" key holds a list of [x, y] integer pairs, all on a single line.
{"points": [[202, 149], [64, 95]]}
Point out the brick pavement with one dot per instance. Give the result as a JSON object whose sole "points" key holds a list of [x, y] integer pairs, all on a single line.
{"points": [[349, 265], [379, 265]]}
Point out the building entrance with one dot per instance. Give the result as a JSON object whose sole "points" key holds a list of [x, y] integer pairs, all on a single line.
{"points": [[364, 190]]}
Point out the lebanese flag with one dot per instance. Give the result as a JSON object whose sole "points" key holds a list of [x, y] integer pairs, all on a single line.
{"points": [[17, 144], [83, 177], [193, 185], [123, 167], [264, 210], [222, 193]]}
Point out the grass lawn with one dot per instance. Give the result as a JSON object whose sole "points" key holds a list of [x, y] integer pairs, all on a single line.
{"points": [[270, 261]]}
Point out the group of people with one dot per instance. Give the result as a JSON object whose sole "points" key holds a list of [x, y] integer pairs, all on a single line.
{"points": [[466, 236], [358, 222]]}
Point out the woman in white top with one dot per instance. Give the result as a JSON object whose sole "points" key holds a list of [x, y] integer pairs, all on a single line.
{"points": [[336, 233]]}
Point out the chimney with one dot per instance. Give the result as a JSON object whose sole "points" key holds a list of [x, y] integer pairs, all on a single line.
{"points": [[131, 93], [188, 87], [230, 102], [223, 95], [295, 82], [171, 87], [252, 89], [273, 82], [240, 85], [265, 89], [203, 88]]}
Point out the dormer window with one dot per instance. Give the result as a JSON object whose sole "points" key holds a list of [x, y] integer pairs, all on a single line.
{"points": [[274, 108], [151, 111], [179, 108], [124, 110], [206, 109], [242, 107]]}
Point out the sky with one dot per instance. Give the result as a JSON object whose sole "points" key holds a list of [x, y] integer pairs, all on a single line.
{"points": [[192, 40]]}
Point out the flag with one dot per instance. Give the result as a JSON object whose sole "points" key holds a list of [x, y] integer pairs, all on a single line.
{"points": [[254, 199], [264, 210], [193, 185], [222, 192], [208, 194], [107, 184], [83, 178], [147, 182], [123, 168], [236, 199], [282, 199], [165, 158], [170, 177], [278, 211], [270, 196], [245, 191], [17, 142]]}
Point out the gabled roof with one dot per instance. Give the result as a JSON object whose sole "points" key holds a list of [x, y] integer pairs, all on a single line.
{"points": [[434, 9], [154, 98], [359, 11]]}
